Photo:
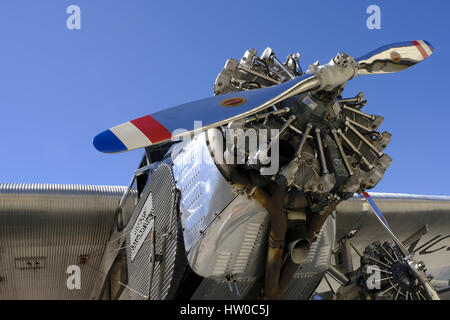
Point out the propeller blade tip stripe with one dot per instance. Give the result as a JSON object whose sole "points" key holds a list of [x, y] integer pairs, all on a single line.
{"points": [[108, 142], [429, 45], [152, 129], [424, 49]]}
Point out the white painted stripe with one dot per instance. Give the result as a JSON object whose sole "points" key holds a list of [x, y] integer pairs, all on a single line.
{"points": [[130, 136], [425, 47]]}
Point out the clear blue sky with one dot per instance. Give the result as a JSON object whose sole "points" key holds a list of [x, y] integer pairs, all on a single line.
{"points": [[60, 87]]}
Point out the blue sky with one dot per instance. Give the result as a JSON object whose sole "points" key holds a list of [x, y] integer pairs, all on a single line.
{"points": [[60, 87]]}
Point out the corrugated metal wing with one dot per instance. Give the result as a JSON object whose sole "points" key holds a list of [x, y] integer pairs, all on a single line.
{"points": [[55, 225]]}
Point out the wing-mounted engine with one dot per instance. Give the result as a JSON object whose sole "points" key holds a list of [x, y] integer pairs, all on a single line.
{"points": [[385, 273]]}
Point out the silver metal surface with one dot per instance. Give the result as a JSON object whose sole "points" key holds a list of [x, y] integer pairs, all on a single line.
{"points": [[167, 235], [298, 153], [285, 125], [358, 99], [265, 115], [392, 58], [234, 244], [413, 266], [58, 224], [289, 171], [204, 191], [363, 114], [371, 146], [255, 73], [323, 161], [310, 274], [139, 265], [336, 73], [359, 125], [416, 235], [338, 275], [348, 142], [282, 67], [405, 214], [151, 272], [222, 232], [341, 151], [354, 149]]}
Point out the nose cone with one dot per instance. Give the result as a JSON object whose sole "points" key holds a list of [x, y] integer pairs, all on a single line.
{"points": [[107, 142]]}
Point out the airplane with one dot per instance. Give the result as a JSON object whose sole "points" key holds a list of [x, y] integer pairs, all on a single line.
{"points": [[259, 192]]}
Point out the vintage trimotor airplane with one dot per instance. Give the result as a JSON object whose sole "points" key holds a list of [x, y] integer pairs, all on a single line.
{"points": [[244, 214], [250, 194]]}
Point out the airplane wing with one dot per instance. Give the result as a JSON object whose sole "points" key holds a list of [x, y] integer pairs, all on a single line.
{"points": [[423, 222], [407, 215], [46, 228]]}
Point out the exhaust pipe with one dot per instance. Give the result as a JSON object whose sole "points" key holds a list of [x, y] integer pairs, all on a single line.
{"points": [[297, 236]]}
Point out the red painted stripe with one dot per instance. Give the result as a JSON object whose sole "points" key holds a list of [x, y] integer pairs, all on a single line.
{"points": [[366, 195], [421, 49], [152, 129], [232, 102]]}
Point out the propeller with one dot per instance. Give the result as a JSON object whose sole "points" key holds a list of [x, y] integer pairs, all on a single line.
{"points": [[165, 125], [394, 57]]}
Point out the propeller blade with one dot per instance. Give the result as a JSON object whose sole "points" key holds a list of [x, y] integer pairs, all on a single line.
{"points": [[394, 57], [219, 110], [212, 112], [384, 223]]}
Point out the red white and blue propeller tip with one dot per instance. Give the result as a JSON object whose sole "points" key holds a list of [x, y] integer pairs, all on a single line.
{"points": [[131, 135], [425, 48], [212, 111]]}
